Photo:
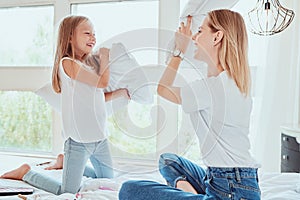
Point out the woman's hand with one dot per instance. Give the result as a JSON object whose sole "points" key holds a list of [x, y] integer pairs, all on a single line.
{"points": [[183, 35]]}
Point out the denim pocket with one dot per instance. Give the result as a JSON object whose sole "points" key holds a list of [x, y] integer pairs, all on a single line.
{"points": [[247, 189], [218, 187]]}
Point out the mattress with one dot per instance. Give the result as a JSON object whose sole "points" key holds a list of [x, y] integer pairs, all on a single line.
{"points": [[275, 186]]}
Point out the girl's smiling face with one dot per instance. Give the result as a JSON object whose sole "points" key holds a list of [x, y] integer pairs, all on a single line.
{"points": [[83, 39]]}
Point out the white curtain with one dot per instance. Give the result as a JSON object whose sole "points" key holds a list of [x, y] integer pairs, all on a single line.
{"points": [[276, 100]]}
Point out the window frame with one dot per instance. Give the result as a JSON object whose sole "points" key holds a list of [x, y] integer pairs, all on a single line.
{"points": [[31, 78]]}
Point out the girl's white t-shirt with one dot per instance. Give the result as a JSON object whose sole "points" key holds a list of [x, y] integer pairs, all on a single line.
{"points": [[83, 108], [220, 114]]}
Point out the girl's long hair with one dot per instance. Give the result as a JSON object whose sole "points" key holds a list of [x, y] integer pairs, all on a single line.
{"points": [[233, 54], [64, 47]]}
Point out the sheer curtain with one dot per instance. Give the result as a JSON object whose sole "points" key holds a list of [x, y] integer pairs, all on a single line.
{"points": [[276, 99]]}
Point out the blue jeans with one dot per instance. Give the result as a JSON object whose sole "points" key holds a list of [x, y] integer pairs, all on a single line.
{"points": [[76, 156], [214, 183]]}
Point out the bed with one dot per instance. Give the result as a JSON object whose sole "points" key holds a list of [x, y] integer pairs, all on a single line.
{"points": [[275, 186]]}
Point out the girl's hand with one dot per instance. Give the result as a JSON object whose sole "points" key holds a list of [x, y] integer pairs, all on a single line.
{"points": [[104, 52], [125, 93], [183, 35]]}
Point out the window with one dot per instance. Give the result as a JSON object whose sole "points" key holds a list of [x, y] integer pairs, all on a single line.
{"points": [[26, 40], [25, 122], [26, 63], [25, 56]]}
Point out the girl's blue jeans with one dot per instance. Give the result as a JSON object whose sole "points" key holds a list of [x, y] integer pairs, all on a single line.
{"points": [[214, 183], [76, 156]]}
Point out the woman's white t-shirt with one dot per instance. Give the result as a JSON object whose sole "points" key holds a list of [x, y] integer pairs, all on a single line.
{"points": [[220, 114], [83, 109]]}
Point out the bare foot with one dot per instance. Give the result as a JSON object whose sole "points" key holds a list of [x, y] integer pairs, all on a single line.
{"points": [[18, 173], [58, 163], [186, 186]]}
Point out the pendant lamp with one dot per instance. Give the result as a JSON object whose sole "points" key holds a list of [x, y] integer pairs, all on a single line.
{"points": [[269, 17]]}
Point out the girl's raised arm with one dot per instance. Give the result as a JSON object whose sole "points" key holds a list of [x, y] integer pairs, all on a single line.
{"points": [[79, 73]]}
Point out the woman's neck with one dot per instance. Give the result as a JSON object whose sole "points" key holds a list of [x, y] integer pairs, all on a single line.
{"points": [[214, 70]]}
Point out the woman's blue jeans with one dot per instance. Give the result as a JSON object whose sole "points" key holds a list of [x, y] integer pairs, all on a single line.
{"points": [[76, 156], [214, 183]]}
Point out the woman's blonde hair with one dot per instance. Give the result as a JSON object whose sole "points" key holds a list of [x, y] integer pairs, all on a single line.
{"points": [[64, 47], [233, 53]]}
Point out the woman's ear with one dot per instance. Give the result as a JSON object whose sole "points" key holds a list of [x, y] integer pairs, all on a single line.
{"points": [[218, 37]]}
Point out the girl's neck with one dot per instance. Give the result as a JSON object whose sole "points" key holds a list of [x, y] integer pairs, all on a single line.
{"points": [[81, 58]]}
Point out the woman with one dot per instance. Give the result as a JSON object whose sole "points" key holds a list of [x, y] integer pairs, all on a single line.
{"points": [[219, 107]]}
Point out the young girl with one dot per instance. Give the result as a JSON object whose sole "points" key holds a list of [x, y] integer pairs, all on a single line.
{"points": [[219, 108], [83, 109]]}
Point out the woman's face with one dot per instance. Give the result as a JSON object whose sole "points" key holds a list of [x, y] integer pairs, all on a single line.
{"points": [[204, 41], [84, 39]]}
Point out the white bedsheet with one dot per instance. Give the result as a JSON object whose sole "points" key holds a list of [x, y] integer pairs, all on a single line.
{"points": [[280, 186], [274, 186]]}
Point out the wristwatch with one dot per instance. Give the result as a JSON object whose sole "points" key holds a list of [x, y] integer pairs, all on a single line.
{"points": [[178, 53]]}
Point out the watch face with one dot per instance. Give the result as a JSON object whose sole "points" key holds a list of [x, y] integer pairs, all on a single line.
{"points": [[176, 52]]}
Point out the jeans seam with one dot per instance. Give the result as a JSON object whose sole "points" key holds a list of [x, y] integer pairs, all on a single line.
{"points": [[232, 176], [246, 187], [67, 171]]}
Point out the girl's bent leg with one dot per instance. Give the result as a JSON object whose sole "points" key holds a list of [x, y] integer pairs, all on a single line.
{"points": [[89, 172], [35, 179], [43, 182], [174, 168], [149, 190], [75, 159], [102, 161]]}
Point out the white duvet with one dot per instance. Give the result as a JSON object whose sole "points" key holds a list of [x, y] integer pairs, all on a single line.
{"points": [[274, 186]]}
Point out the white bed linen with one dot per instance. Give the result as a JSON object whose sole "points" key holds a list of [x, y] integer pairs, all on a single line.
{"points": [[274, 186], [280, 186]]}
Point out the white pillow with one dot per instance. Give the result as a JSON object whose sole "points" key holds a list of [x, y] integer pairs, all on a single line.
{"points": [[198, 10], [125, 72], [50, 96]]}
